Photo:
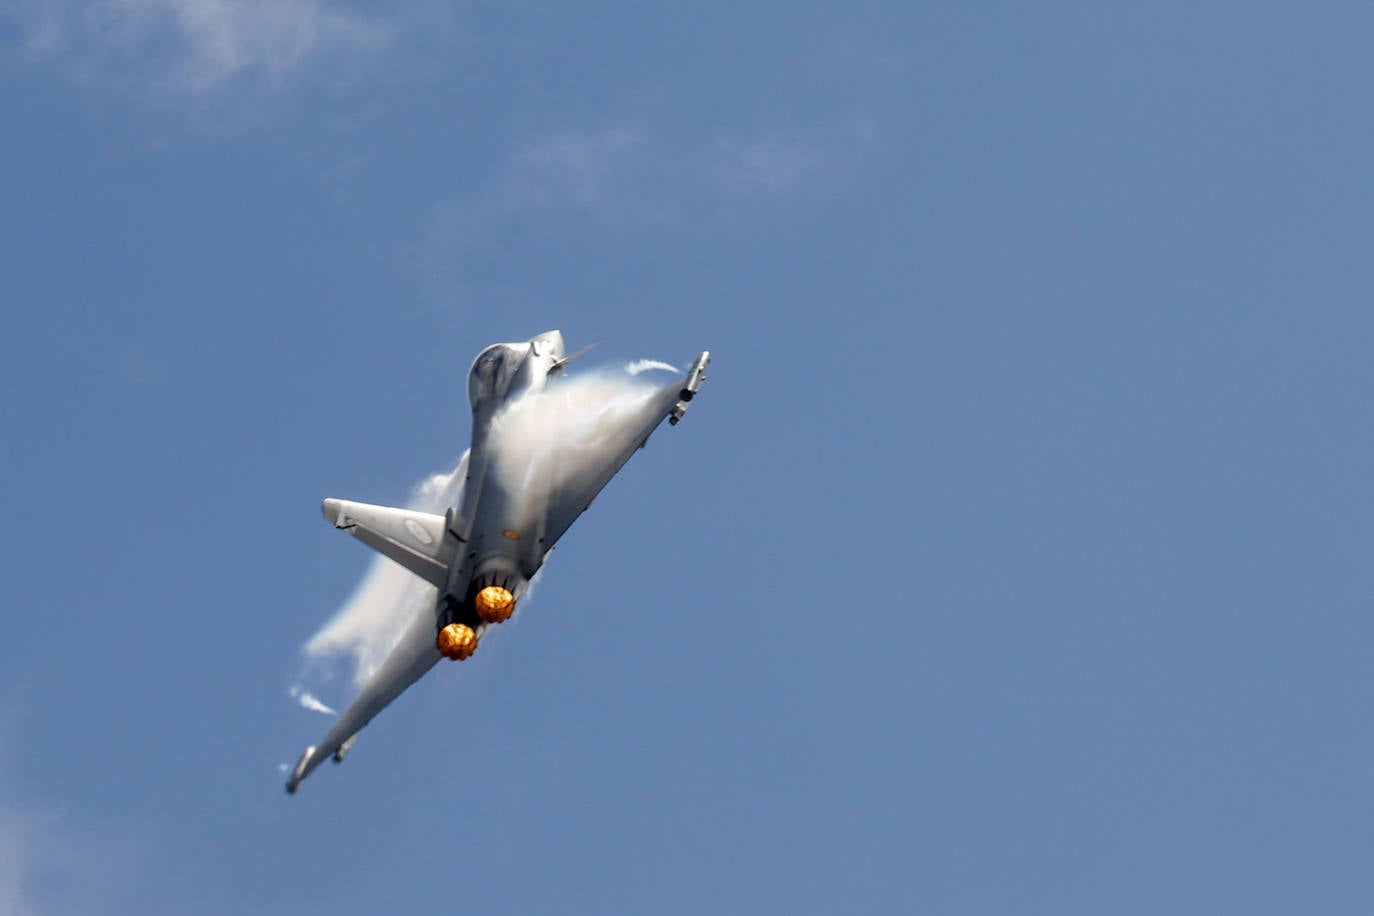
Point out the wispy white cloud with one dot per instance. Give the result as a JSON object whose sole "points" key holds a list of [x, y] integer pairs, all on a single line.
{"points": [[808, 162], [605, 173], [195, 47], [628, 174], [42, 847], [770, 164], [631, 178], [14, 852]]}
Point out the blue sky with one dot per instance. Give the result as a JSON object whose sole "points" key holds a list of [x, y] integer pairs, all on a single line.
{"points": [[1013, 560]]}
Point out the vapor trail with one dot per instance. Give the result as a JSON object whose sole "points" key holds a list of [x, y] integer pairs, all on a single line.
{"points": [[309, 701], [369, 624], [561, 436], [645, 365]]}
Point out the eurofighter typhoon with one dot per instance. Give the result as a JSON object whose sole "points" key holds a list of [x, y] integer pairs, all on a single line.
{"points": [[524, 488]]}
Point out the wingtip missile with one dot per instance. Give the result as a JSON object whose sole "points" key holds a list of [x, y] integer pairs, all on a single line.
{"points": [[690, 386]]}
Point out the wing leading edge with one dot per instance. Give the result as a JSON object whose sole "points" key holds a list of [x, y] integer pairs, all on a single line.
{"points": [[632, 433]]}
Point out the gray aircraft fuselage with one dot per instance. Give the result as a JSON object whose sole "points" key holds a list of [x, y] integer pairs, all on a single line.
{"points": [[503, 542]]}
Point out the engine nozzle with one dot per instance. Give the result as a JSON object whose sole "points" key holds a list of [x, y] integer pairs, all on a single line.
{"points": [[494, 604]]}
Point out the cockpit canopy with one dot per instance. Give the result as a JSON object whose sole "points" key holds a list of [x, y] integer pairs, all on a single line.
{"points": [[493, 371], [506, 369]]}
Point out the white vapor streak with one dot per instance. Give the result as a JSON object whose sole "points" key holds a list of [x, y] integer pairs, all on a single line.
{"points": [[561, 436], [310, 702], [389, 596], [645, 365]]}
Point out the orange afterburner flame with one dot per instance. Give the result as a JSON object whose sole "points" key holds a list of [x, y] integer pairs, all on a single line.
{"points": [[494, 604], [456, 641]]}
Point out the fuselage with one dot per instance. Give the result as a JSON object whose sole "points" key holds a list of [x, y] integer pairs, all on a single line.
{"points": [[501, 541]]}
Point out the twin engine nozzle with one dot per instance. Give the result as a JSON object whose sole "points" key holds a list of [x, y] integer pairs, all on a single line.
{"points": [[492, 604]]}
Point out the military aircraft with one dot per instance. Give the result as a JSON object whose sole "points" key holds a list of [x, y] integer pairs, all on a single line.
{"points": [[482, 553]]}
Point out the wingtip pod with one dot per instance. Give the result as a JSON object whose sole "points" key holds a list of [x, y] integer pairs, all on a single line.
{"points": [[301, 771], [690, 386]]}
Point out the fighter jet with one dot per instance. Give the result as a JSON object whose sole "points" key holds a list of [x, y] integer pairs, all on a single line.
{"points": [[482, 553]]}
